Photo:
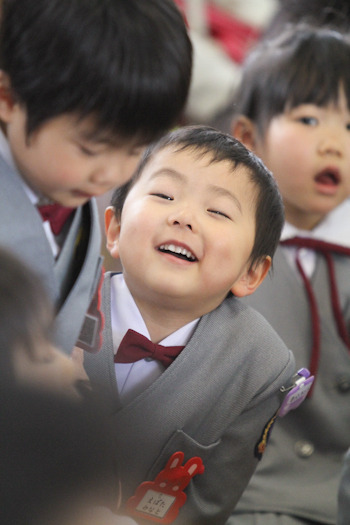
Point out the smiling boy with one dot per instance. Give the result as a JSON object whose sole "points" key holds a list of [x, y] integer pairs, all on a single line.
{"points": [[168, 246], [190, 231]]}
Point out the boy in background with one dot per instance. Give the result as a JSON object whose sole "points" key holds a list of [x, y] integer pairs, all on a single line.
{"points": [[27, 355], [293, 110], [84, 85], [198, 222]]}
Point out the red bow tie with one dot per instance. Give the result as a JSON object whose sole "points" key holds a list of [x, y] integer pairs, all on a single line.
{"points": [[135, 346], [56, 214]]}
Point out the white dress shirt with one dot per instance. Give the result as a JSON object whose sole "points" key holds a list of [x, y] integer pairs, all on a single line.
{"points": [[133, 378], [335, 228]]}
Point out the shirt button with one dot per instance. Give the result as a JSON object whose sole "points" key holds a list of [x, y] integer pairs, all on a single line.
{"points": [[304, 449], [343, 384]]}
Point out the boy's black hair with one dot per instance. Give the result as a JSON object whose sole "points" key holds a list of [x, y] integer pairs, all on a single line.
{"points": [[303, 65], [205, 140], [335, 13], [125, 62]]}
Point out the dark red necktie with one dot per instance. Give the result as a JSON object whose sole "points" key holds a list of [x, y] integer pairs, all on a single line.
{"points": [[326, 249], [56, 214], [135, 346]]}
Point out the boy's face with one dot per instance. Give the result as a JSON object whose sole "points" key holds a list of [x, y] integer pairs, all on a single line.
{"points": [[308, 151], [61, 161], [186, 233]]}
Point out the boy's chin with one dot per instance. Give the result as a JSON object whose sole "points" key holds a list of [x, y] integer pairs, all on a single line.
{"points": [[74, 201]]}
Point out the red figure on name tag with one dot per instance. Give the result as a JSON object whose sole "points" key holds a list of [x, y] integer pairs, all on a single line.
{"points": [[160, 500]]}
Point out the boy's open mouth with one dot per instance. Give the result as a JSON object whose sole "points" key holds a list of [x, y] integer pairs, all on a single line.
{"points": [[177, 251], [329, 177]]}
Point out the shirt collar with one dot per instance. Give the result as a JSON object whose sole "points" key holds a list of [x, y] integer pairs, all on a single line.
{"points": [[335, 228], [125, 315]]}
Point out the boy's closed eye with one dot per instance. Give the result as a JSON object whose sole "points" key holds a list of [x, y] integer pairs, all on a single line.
{"points": [[162, 196], [91, 148], [87, 151], [220, 213], [209, 210]]}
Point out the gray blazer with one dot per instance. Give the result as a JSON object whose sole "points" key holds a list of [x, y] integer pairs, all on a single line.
{"points": [[71, 280], [344, 493], [301, 468], [214, 401]]}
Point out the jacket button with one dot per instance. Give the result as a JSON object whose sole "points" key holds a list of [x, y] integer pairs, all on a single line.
{"points": [[343, 384], [304, 449]]}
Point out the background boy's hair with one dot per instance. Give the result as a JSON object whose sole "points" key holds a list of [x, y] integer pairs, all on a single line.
{"points": [[55, 454], [125, 63], [315, 12], [303, 65], [204, 140], [25, 311]]}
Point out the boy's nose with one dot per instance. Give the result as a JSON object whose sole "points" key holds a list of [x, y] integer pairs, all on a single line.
{"points": [[183, 218], [331, 145]]}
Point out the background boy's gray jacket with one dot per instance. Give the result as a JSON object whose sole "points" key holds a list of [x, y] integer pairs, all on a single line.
{"points": [[301, 468], [71, 280], [214, 402], [344, 493]]}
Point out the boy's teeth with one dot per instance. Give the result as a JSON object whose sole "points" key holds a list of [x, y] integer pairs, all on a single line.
{"points": [[177, 249]]}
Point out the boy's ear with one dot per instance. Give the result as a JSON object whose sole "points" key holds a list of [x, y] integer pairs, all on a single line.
{"points": [[112, 229], [244, 130], [7, 100], [251, 280]]}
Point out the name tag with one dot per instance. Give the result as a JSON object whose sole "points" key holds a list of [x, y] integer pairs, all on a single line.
{"points": [[297, 392], [156, 503], [160, 500]]}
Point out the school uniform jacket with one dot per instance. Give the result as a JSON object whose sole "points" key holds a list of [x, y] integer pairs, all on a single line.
{"points": [[71, 279], [214, 401], [301, 468], [344, 492]]}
